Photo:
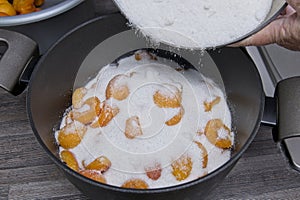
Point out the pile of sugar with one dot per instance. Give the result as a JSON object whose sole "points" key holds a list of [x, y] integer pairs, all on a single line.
{"points": [[195, 23], [159, 143]]}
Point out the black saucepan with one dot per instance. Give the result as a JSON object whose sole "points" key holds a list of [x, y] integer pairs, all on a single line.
{"points": [[56, 73]]}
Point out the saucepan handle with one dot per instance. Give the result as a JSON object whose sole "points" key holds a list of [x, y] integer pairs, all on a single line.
{"points": [[287, 131], [20, 52]]}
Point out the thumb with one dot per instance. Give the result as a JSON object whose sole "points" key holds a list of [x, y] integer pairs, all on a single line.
{"points": [[294, 4]]}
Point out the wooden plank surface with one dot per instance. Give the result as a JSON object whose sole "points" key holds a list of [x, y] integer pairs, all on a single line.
{"points": [[26, 171]]}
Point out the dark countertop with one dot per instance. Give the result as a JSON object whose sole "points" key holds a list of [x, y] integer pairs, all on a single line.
{"points": [[26, 172]]}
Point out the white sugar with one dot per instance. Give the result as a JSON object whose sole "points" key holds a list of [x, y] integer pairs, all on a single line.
{"points": [[195, 23], [223, 133], [159, 143]]}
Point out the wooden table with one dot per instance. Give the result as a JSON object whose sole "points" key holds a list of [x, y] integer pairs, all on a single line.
{"points": [[26, 171]]}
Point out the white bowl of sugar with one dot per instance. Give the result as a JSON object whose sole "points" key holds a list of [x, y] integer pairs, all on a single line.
{"points": [[199, 24]]}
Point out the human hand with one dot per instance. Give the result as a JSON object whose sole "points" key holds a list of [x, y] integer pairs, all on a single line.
{"points": [[284, 31]]}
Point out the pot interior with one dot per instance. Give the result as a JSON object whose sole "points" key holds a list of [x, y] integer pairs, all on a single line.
{"points": [[81, 53]]}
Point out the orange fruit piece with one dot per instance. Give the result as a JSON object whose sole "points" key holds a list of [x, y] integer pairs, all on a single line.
{"points": [[154, 172], [204, 154], [77, 97], [176, 119], [70, 160], [71, 134], [90, 115], [211, 131], [117, 88], [168, 99], [135, 184], [2, 14], [94, 175], [24, 6], [138, 56], [106, 114], [182, 167], [209, 105], [7, 9], [133, 127], [101, 163], [39, 2]]}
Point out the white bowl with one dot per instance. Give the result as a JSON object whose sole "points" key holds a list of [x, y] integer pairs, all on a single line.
{"points": [[277, 7]]}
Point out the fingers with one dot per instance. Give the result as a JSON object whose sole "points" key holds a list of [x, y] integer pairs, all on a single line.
{"points": [[289, 10], [289, 35], [294, 4], [285, 31]]}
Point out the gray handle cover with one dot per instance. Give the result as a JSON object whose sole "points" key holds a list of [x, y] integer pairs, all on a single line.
{"points": [[21, 50], [288, 111], [288, 115]]}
